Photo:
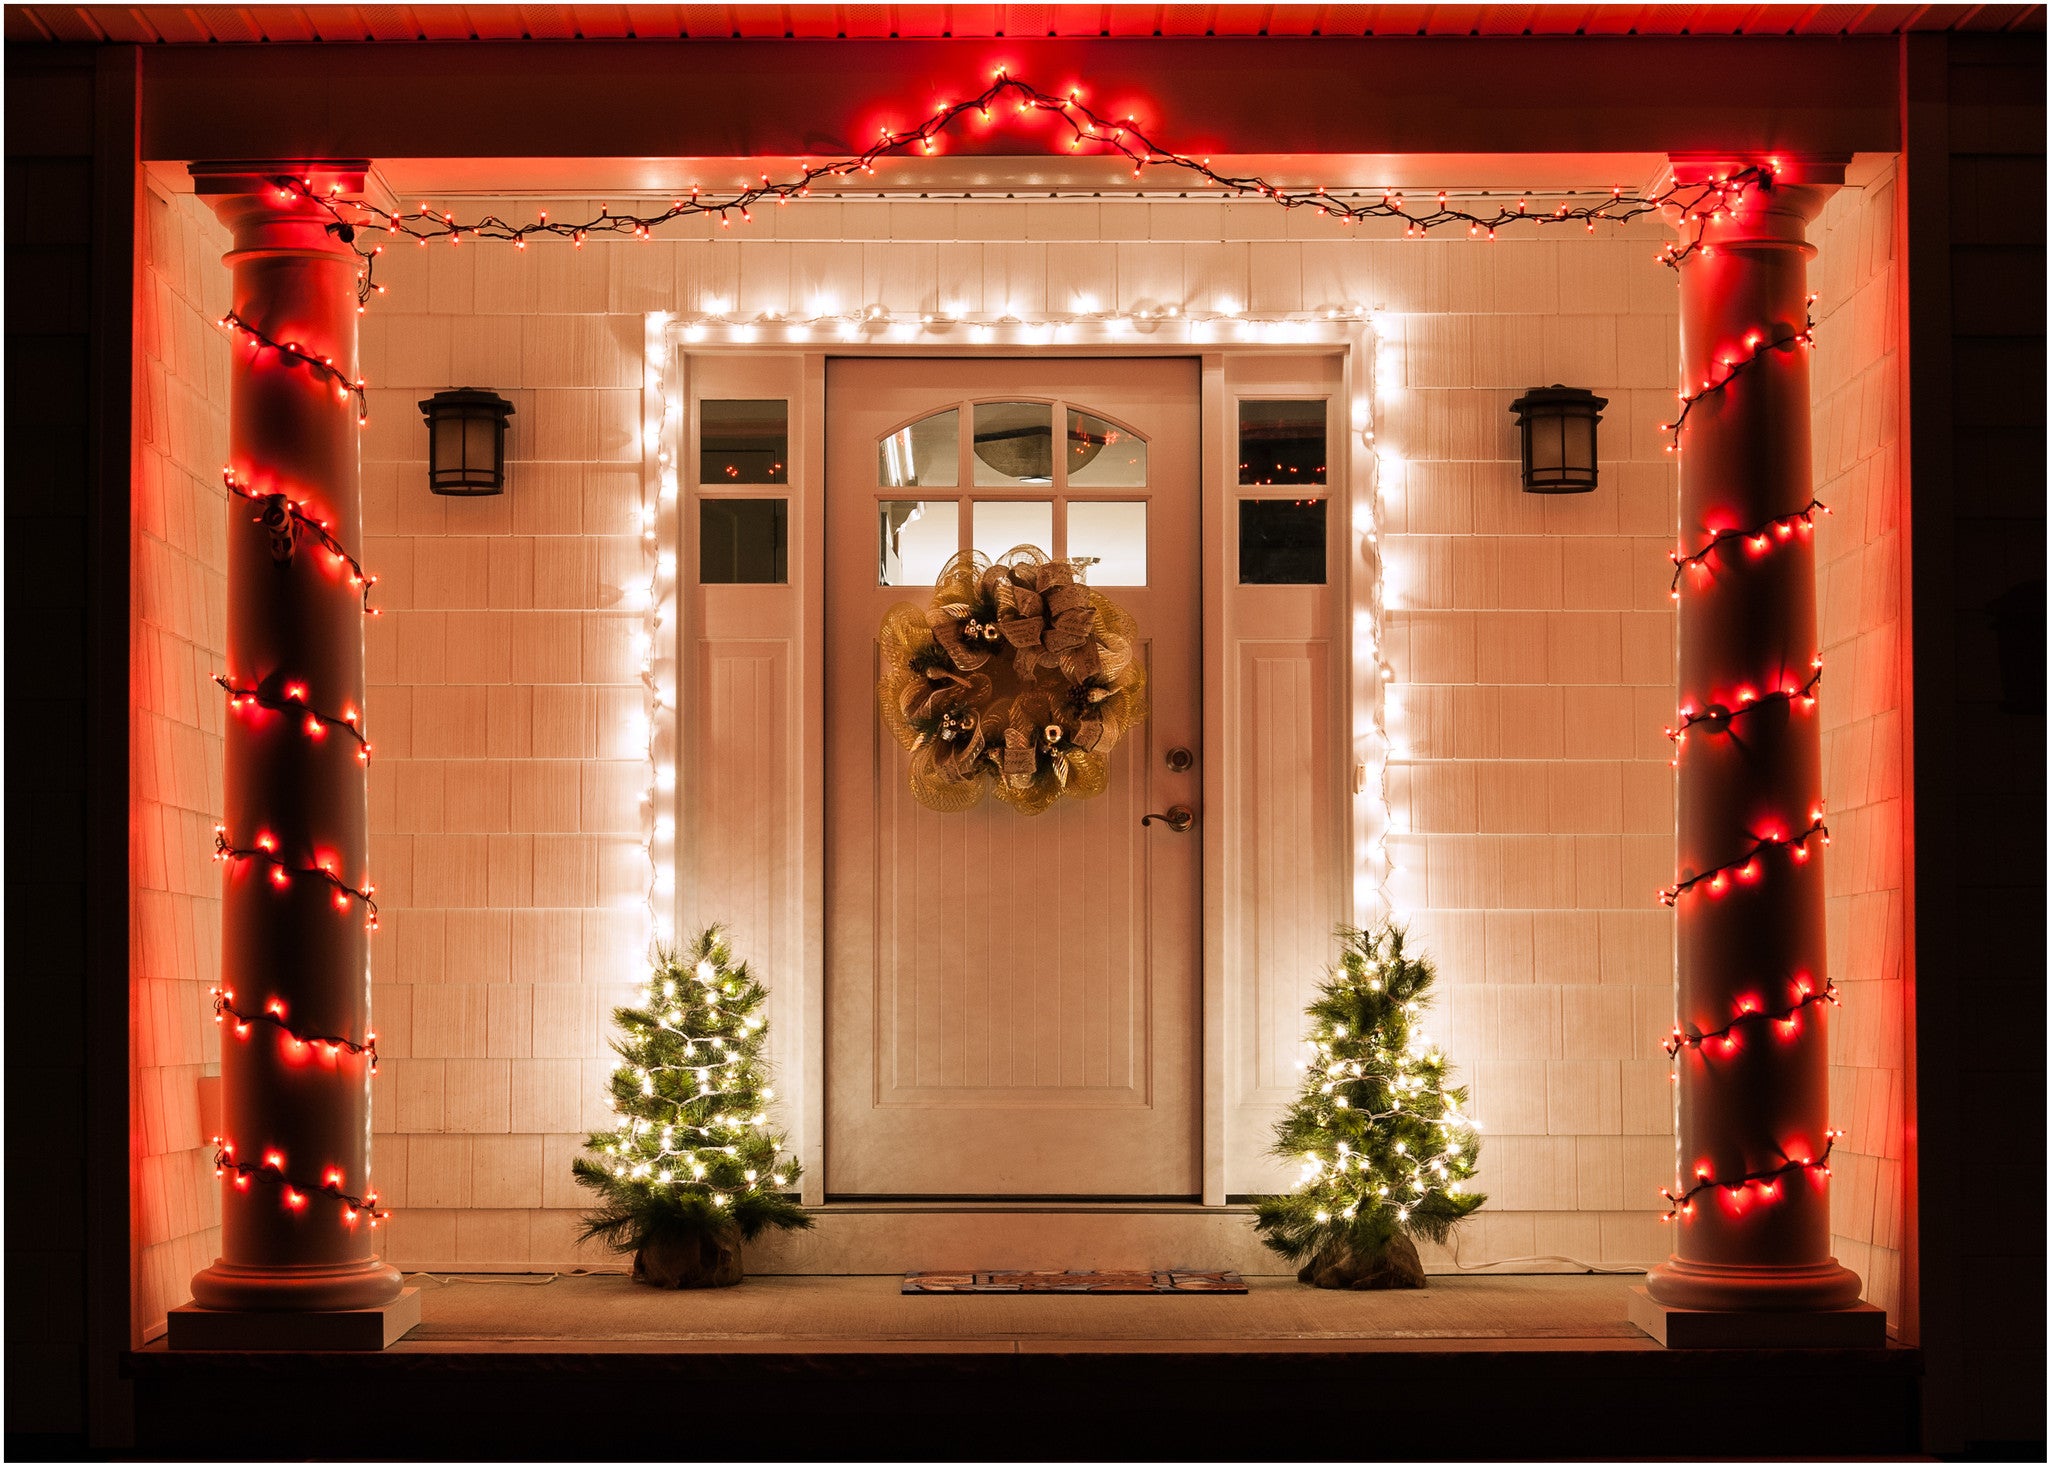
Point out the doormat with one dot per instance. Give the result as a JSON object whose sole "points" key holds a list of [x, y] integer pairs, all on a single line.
{"points": [[1063, 1283]]}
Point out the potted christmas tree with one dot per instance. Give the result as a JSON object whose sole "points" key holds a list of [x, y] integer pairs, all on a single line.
{"points": [[1386, 1148], [689, 1170]]}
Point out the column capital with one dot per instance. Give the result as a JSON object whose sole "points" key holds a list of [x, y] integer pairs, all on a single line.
{"points": [[1820, 170], [1773, 214], [260, 175], [263, 216]]}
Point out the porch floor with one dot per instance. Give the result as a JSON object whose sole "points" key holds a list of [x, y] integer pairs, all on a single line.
{"points": [[609, 1313], [841, 1367]]}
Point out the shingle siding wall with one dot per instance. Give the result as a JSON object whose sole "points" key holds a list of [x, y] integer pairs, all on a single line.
{"points": [[180, 632], [1859, 473], [1531, 641]]}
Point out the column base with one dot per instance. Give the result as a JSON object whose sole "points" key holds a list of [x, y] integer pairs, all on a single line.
{"points": [[350, 1286], [362, 1329], [1858, 1326], [1704, 1286]]}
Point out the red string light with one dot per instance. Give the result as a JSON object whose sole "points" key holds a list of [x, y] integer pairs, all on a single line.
{"points": [[1691, 1036], [1766, 1180], [281, 872], [1760, 539], [1745, 868], [344, 387], [1696, 204], [286, 518], [224, 1008], [271, 1171], [1719, 718], [1734, 367], [293, 703]]}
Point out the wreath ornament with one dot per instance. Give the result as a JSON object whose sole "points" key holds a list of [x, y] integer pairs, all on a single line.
{"points": [[1017, 679]]}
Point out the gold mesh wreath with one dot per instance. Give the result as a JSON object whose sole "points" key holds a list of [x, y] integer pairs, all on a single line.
{"points": [[1017, 680]]}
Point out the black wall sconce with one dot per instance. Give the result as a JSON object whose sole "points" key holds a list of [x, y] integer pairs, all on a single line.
{"points": [[1560, 438], [466, 441]]}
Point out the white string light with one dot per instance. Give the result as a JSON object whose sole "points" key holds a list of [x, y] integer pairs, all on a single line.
{"points": [[656, 655]]}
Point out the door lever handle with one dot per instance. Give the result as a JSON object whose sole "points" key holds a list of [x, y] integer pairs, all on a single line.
{"points": [[1180, 818]]}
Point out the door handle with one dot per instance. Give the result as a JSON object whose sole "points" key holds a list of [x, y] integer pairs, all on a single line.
{"points": [[1180, 818]]}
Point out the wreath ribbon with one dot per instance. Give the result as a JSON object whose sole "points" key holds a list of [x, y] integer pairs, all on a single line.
{"points": [[1016, 680]]}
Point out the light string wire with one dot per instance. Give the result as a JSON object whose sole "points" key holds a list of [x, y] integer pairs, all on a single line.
{"points": [[1759, 537], [286, 520], [286, 517], [281, 870], [1808, 995], [1719, 718], [293, 703], [1716, 717], [1733, 367], [1769, 1179], [1696, 203], [271, 1171], [345, 387], [224, 1007], [1744, 866]]}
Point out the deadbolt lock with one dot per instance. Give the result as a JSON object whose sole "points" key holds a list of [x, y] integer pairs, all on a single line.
{"points": [[1179, 759]]}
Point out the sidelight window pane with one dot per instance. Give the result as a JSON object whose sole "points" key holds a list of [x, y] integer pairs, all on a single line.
{"points": [[1283, 443], [1281, 541], [743, 541], [742, 442]]}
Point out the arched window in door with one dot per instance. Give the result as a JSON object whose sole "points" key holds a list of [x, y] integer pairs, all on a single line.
{"points": [[1078, 493]]}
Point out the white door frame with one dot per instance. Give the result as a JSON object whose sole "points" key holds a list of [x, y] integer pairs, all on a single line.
{"points": [[674, 350]]}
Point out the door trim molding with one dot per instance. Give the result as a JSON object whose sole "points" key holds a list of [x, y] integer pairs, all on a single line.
{"points": [[668, 445]]}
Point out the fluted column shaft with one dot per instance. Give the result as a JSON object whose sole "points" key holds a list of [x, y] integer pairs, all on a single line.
{"points": [[1751, 1209], [296, 1207]]}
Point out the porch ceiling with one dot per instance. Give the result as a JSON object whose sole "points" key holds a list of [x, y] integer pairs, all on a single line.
{"points": [[187, 24]]}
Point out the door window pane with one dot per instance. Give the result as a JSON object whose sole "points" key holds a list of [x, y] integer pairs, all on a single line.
{"points": [[918, 537], [742, 442], [926, 454], [1283, 443], [1101, 454], [1001, 527], [1113, 535], [743, 541], [1280, 541], [1012, 443]]}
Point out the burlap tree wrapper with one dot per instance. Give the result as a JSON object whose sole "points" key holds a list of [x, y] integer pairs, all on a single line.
{"points": [[1017, 680]]}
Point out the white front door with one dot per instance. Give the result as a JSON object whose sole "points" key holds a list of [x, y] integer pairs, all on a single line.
{"points": [[1012, 1002]]}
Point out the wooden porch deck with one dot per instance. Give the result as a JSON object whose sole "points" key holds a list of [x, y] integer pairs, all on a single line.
{"points": [[782, 1367], [608, 1313]]}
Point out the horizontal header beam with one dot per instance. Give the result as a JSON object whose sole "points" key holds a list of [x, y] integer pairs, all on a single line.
{"points": [[829, 98]]}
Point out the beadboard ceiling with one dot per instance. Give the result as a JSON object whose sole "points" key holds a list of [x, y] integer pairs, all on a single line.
{"points": [[200, 24]]}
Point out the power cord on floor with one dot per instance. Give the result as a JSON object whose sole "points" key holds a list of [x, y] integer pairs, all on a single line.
{"points": [[1586, 1268], [521, 1279]]}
